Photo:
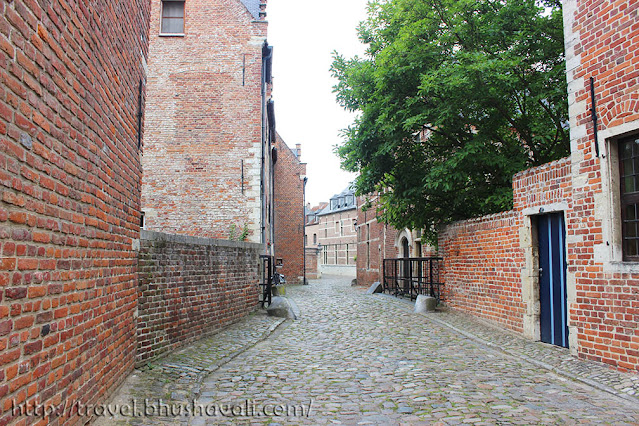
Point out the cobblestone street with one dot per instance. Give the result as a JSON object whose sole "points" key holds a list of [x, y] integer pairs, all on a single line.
{"points": [[360, 359]]}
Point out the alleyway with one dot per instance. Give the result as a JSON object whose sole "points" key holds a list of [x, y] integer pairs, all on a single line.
{"points": [[359, 359]]}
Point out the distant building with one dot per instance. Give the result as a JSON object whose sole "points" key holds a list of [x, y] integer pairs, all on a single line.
{"points": [[377, 241], [333, 230]]}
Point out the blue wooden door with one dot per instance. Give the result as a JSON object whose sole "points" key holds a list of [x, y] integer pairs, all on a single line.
{"points": [[552, 279]]}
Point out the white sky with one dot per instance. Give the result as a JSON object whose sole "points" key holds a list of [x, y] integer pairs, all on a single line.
{"points": [[303, 35]]}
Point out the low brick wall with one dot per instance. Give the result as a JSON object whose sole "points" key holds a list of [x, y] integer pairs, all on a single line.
{"points": [[482, 264], [189, 287], [312, 263], [488, 261]]}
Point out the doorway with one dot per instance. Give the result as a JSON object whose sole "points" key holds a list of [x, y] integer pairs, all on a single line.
{"points": [[551, 234]]}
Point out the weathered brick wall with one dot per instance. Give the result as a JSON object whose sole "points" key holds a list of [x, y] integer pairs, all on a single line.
{"points": [[602, 42], [69, 198], [482, 267], [189, 287], [545, 185], [485, 265], [312, 263], [202, 147], [289, 211]]}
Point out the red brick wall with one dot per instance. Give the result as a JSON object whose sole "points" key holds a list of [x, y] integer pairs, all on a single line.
{"points": [[69, 210], [204, 122], [602, 42], [190, 287], [484, 258], [482, 265], [289, 211]]}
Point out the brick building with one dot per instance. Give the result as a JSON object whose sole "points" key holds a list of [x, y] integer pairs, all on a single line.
{"points": [[563, 265], [376, 241], [208, 165], [602, 44], [311, 242], [336, 229], [290, 173], [70, 77]]}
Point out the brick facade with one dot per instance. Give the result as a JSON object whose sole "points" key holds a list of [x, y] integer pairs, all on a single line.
{"points": [[70, 199], [207, 155], [375, 242], [337, 235], [602, 43], [190, 287], [289, 210]]}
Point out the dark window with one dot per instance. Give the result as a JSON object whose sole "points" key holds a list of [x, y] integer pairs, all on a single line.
{"points": [[629, 172], [314, 238], [173, 17]]}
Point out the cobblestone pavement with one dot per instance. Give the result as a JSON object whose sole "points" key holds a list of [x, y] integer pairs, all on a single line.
{"points": [[176, 379], [550, 357], [359, 359]]}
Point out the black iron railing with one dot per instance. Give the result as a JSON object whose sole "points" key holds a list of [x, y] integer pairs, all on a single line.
{"points": [[412, 276], [266, 273]]}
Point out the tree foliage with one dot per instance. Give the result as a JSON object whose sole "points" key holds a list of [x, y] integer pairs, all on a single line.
{"points": [[453, 98]]}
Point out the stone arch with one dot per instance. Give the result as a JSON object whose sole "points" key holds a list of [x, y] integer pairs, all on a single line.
{"points": [[403, 238]]}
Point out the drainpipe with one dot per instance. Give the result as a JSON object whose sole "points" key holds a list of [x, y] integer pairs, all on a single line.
{"points": [[266, 56], [304, 228]]}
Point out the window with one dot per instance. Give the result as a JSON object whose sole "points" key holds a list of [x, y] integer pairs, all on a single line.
{"points": [[305, 240], [336, 227], [629, 173], [314, 238], [172, 17], [341, 228]]}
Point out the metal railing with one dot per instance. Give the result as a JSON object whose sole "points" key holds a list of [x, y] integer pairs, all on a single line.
{"points": [[266, 273], [412, 276]]}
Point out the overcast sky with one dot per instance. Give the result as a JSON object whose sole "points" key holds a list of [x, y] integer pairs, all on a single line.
{"points": [[303, 34]]}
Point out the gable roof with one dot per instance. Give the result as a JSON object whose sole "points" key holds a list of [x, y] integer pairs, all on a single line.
{"points": [[253, 6]]}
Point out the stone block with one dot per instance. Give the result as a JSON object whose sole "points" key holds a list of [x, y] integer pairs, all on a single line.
{"points": [[376, 287], [425, 304]]}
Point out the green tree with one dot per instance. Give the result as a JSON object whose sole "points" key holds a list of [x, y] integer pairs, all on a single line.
{"points": [[452, 99]]}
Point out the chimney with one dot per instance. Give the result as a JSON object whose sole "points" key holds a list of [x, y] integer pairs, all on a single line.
{"points": [[263, 10], [298, 148]]}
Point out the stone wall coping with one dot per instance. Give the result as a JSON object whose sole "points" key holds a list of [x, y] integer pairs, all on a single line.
{"points": [[146, 235]]}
